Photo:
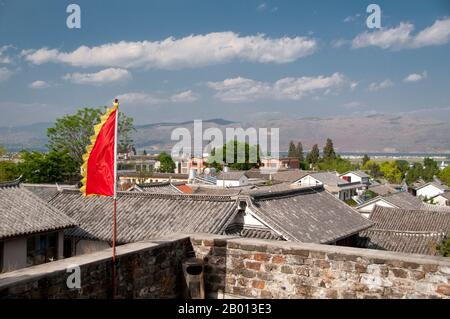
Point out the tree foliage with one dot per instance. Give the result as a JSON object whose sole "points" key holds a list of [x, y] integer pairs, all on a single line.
{"points": [[372, 168], [391, 172], [443, 249], [52, 167], [365, 159], [444, 175], [71, 133], [328, 151], [167, 164], [236, 155], [8, 171], [300, 154], [339, 165], [292, 152], [313, 155]]}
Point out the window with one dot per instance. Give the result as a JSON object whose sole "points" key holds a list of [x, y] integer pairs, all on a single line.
{"points": [[42, 248]]}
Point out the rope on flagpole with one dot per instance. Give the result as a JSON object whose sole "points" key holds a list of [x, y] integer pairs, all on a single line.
{"points": [[114, 230]]}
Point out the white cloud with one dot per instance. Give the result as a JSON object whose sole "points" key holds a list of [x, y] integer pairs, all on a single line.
{"points": [[39, 85], [190, 51], [4, 59], [415, 77], [184, 97], [376, 86], [401, 38], [106, 76], [352, 18], [241, 89], [150, 99], [5, 74], [140, 98], [437, 34], [262, 7]]}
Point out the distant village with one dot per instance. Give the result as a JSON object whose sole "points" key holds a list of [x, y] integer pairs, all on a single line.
{"points": [[296, 198]]}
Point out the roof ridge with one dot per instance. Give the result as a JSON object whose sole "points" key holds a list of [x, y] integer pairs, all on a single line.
{"points": [[14, 183], [267, 195], [174, 196]]}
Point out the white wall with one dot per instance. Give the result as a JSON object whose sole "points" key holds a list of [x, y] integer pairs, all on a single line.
{"points": [[14, 254], [353, 177], [440, 200], [308, 181], [232, 183], [90, 246], [369, 208], [428, 191]]}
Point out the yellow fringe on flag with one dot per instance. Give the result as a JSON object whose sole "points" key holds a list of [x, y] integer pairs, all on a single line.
{"points": [[93, 139]]}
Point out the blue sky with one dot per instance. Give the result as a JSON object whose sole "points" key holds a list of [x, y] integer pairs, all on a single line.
{"points": [[238, 60]]}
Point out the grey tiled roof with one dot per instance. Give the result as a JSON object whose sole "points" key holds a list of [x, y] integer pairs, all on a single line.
{"points": [[437, 185], [329, 178], [414, 243], [290, 176], [22, 212], [46, 191], [231, 175], [252, 232], [398, 199], [308, 215], [410, 231], [143, 216], [382, 189], [158, 188]]}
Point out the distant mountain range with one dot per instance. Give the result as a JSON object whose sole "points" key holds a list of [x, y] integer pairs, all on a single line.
{"points": [[371, 133]]}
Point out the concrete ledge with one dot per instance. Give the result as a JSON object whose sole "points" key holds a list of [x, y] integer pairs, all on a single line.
{"points": [[285, 247], [61, 266]]}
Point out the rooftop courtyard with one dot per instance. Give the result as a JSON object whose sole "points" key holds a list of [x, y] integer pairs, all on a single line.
{"points": [[237, 268]]}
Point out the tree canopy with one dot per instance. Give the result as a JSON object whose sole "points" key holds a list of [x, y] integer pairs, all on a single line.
{"points": [[52, 167], [167, 164], [328, 151], [72, 133], [313, 155], [236, 155]]}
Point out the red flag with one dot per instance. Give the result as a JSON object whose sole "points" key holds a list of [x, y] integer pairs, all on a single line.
{"points": [[98, 169]]}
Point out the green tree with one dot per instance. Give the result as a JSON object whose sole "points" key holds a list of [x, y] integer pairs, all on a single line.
{"points": [[339, 165], [414, 173], [365, 159], [126, 129], [71, 133], [167, 164], [292, 152], [444, 175], [443, 249], [237, 155], [372, 168], [430, 169], [52, 167], [403, 166], [8, 171], [300, 155], [2, 151], [391, 172], [328, 151], [313, 155]]}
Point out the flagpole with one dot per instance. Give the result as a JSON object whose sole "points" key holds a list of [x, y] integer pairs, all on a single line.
{"points": [[114, 235]]}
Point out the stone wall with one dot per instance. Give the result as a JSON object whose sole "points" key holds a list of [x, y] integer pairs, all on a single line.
{"points": [[144, 270], [236, 267], [262, 269]]}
